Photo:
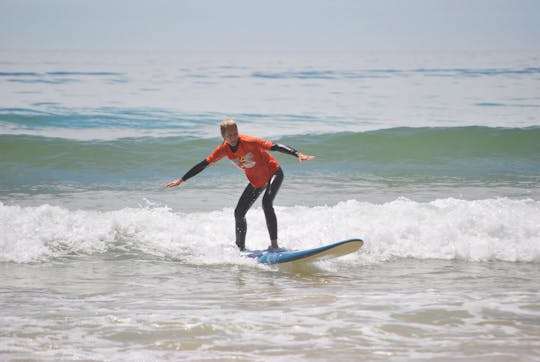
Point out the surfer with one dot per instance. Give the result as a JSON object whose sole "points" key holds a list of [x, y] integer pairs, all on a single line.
{"points": [[261, 168]]}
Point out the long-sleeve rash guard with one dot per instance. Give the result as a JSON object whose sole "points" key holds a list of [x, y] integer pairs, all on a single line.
{"points": [[250, 155]]}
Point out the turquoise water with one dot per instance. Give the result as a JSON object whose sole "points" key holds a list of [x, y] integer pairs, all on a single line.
{"points": [[433, 160], [457, 161]]}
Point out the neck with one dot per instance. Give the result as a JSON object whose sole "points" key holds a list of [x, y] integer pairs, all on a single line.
{"points": [[235, 147]]}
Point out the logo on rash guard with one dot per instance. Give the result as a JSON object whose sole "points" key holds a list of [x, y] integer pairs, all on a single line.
{"points": [[245, 161]]}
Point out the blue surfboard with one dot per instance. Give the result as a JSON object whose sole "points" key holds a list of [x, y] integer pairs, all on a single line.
{"points": [[281, 256]]}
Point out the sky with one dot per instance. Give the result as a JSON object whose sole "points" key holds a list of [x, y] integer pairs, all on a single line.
{"points": [[341, 26]]}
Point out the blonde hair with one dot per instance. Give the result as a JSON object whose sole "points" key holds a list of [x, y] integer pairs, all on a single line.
{"points": [[226, 123]]}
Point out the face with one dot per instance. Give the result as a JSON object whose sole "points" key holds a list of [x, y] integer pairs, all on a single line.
{"points": [[231, 135]]}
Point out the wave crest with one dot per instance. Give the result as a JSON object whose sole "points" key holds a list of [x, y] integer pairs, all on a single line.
{"points": [[451, 229]]}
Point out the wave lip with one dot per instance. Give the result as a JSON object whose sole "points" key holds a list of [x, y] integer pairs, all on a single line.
{"points": [[423, 143]]}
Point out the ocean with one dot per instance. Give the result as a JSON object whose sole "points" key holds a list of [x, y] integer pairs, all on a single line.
{"points": [[432, 159]]}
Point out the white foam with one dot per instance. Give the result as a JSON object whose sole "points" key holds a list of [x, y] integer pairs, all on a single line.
{"points": [[479, 230]]}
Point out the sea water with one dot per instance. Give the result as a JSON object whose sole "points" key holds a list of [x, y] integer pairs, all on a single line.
{"points": [[432, 159]]}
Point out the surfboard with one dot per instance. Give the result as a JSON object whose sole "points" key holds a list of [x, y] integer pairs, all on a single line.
{"points": [[329, 251]]}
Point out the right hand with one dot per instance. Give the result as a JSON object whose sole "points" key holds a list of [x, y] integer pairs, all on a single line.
{"points": [[174, 183]]}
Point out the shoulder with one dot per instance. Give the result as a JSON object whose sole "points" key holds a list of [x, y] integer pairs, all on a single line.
{"points": [[255, 141], [221, 145], [218, 153], [220, 148]]}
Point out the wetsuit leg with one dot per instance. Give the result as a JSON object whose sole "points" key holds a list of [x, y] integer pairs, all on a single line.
{"points": [[272, 189], [247, 199]]}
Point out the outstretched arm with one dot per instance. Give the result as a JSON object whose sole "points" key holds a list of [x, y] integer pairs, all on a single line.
{"points": [[291, 151], [192, 172]]}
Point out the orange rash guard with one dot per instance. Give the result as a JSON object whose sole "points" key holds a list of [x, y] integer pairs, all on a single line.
{"points": [[251, 156]]}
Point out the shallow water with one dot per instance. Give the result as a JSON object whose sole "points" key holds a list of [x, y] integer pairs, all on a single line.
{"points": [[114, 306]]}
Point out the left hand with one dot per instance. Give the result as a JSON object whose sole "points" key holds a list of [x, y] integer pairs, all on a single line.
{"points": [[302, 157]]}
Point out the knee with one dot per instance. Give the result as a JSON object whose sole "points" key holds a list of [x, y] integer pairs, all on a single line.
{"points": [[268, 204]]}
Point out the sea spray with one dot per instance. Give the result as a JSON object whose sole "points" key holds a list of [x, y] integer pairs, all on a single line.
{"points": [[479, 230]]}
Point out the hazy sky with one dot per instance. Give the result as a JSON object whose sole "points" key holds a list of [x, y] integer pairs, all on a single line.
{"points": [[270, 25]]}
